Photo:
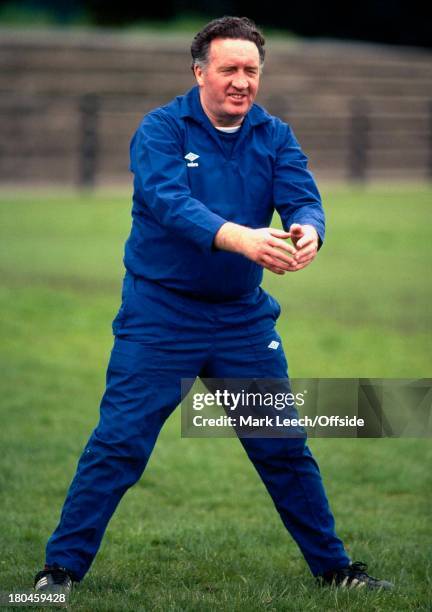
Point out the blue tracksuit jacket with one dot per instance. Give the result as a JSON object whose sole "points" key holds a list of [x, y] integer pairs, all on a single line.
{"points": [[186, 187]]}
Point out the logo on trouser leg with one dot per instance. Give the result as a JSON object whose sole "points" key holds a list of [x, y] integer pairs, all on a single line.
{"points": [[273, 345]]}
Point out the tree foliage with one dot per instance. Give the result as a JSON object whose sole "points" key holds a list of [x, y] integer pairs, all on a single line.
{"points": [[389, 21]]}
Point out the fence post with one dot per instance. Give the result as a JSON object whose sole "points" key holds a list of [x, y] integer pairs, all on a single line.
{"points": [[89, 145], [358, 140], [429, 161]]}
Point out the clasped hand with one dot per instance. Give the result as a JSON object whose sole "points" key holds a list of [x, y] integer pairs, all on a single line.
{"points": [[269, 248]]}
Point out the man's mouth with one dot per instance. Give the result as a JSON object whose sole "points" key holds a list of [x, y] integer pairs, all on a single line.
{"points": [[236, 96]]}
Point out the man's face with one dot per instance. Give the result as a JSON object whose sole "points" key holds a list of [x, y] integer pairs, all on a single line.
{"points": [[229, 83]]}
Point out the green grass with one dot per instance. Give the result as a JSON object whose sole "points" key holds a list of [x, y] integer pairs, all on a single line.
{"points": [[198, 532]]}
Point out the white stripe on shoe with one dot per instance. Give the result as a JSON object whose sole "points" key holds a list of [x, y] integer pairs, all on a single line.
{"points": [[41, 583]]}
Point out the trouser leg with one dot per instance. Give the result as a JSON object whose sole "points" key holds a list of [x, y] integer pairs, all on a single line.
{"points": [[292, 478], [143, 387], [286, 465]]}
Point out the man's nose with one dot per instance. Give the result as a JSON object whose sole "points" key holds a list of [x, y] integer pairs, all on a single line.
{"points": [[240, 82]]}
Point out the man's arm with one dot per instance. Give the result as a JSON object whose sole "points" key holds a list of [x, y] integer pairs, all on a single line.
{"points": [[296, 198], [157, 161]]}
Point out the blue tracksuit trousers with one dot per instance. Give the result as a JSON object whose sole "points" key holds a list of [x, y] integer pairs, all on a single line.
{"points": [[160, 338]]}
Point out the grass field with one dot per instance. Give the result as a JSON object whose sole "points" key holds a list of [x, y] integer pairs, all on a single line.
{"points": [[199, 532]]}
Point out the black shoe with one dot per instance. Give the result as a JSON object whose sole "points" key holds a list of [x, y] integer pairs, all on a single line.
{"points": [[353, 577], [54, 580]]}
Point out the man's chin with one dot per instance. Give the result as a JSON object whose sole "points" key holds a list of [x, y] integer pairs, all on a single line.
{"points": [[239, 104], [237, 111]]}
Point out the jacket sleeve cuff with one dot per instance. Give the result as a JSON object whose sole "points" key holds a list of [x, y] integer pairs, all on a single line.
{"points": [[207, 237]]}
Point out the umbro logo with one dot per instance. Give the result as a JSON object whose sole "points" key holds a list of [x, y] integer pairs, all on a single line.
{"points": [[191, 157], [273, 345]]}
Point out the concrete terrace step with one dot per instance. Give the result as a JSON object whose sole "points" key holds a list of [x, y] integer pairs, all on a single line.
{"points": [[325, 89]]}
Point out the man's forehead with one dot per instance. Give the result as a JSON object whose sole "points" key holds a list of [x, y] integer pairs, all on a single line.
{"points": [[230, 50]]}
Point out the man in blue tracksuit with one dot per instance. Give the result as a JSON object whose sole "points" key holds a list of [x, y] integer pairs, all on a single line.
{"points": [[209, 170]]}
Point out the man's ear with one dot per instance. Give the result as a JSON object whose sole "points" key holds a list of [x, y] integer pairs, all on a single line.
{"points": [[198, 72]]}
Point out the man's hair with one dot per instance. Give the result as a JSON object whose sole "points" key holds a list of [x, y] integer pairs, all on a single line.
{"points": [[241, 28]]}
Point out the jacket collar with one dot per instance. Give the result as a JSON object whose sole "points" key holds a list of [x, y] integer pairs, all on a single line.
{"points": [[190, 106]]}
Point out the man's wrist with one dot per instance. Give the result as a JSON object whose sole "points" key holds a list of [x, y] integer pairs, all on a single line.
{"points": [[313, 228], [229, 237]]}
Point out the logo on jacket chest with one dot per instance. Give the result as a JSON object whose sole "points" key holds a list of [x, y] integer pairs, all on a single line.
{"points": [[191, 157]]}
